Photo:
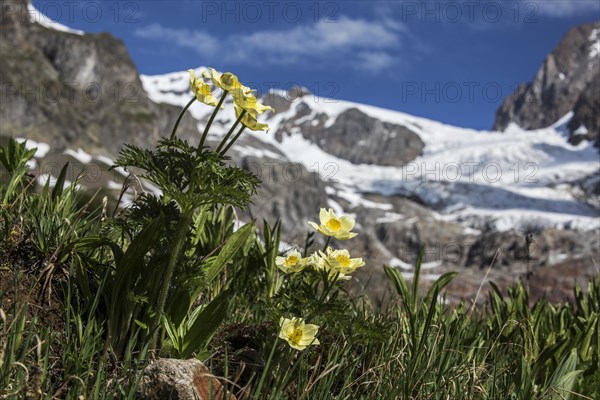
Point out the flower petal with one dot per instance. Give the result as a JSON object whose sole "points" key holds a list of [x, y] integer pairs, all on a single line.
{"points": [[323, 216], [347, 223]]}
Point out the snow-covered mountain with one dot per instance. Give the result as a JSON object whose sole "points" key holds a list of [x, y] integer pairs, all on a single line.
{"points": [[532, 195], [506, 178]]}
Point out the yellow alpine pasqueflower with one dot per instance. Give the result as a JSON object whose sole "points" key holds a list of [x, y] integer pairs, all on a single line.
{"points": [[243, 96], [249, 120], [293, 262], [247, 101], [320, 262], [332, 225], [340, 261], [202, 90], [226, 81], [298, 334], [336, 262]]}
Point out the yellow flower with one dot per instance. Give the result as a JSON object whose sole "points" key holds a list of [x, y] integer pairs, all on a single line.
{"points": [[250, 120], [340, 261], [292, 263], [226, 81], [332, 225], [201, 90], [336, 262], [247, 101], [298, 334], [321, 263], [243, 96]]}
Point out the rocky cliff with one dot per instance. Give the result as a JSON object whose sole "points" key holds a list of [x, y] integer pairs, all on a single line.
{"points": [[69, 89], [567, 82]]}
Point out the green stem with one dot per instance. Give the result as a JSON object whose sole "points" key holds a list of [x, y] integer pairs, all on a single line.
{"points": [[210, 121], [181, 116], [231, 130], [327, 243], [233, 140], [328, 285], [180, 236]]}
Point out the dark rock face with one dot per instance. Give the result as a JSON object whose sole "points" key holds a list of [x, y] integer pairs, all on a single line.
{"points": [[375, 142], [542, 249], [567, 81], [71, 90], [587, 113], [354, 136]]}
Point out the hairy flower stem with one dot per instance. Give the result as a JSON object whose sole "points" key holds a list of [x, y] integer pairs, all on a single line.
{"points": [[237, 122], [212, 118], [233, 140], [180, 236], [326, 243], [181, 116], [327, 286]]}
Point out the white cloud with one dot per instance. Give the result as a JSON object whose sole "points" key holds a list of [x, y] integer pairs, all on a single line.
{"points": [[200, 41], [563, 8], [356, 43]]}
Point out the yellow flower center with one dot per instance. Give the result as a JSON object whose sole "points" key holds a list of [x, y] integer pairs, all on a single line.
{"points": [[291, 261], [205, 90], [343, 260], [296, 336], [334, 225]]}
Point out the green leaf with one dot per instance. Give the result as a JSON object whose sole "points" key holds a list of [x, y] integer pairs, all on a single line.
{"points": [[564, 377], [416, 278], [441, 283], [205, 324], [179, 305], [14, 158], [233, 245], [399, 283], [60, 182]]}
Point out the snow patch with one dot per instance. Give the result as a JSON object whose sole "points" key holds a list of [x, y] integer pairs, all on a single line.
{"points": [[595, 47], [249, 151], [582, 130], [79, 155], [390, 217], [37, 17], [355, 199]]}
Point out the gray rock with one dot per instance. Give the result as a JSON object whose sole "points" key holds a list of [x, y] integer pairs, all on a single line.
{"points": [[567, 81], [167, 378]]}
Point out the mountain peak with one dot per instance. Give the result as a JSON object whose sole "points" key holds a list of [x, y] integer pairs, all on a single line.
{"points": [[567, 82]]}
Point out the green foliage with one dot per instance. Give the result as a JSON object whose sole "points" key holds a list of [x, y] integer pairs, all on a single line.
{"points": [[191, 176], [195, 330], [14, 159]]}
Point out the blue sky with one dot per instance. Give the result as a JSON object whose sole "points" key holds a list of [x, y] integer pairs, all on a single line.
{"points": [[451, 61]]}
